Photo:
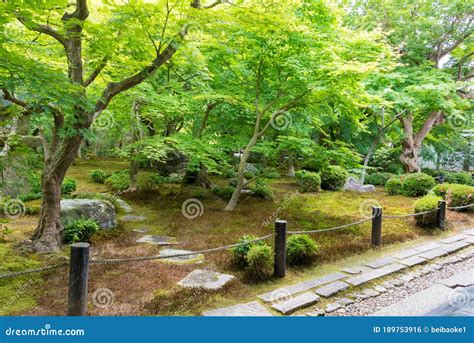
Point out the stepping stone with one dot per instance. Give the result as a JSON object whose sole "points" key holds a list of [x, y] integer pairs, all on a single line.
{"points": [[316, 313], [194, 258], [413, 261], [452, 260], [333, 307], [397, 282], [381, 262], [141, 230], [157, 240], [470, 240], [464, 279], [132, 218], [426, 247], [455, 246], [469, 232], [365, 294], [418, 304], [293, 304], [431, 254], [251, 309], [300, 287], [407, 277], [406, 253], [345, 301], [355, 270], [453, 239], [436, 266], [206, 279], [124, 206], [380, 289], [375, 274], [388, 285], [332, 288]]}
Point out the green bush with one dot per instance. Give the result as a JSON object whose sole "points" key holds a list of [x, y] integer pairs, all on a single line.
{"points": [[259, 262], [461, 178], [68, 186], [263, 192], [30, 196], [240, 252], [98, 175], [199, 192], [378, 179], [229, 173], [119, 181], [175, 178], [80, 230], [249, 175], [333, 178], [308, 181], [300, 249], [417, 184], [34, 181], [455, 195], [223, 192], [394, 186], [272, 175], [427, 203]]}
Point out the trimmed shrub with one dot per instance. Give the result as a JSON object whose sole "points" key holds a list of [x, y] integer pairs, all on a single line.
{"points": [[30, 196], [333, 178], [272, 175], [240, 252], [80, 230], [259, 262], [98, 175], [461, 178], [427, 203], [300, 249], [119, 181], [455, 195], [223, 192], [262, 192], [394, 186], [68, 186], [378, 179], [248, 175], [229, 173], [308, 181], [417, 184]]}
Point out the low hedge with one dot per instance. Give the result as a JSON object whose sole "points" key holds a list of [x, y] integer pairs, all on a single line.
{"points": [[427, 203], [308, 181], [454, 194], [333, 178], [394, 186], [378, 179], [417, 184], [461, 178]]}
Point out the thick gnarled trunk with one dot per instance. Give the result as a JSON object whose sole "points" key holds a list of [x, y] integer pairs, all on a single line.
{"points": [[409, 157]]}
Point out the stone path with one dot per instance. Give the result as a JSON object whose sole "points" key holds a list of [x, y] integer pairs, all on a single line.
{"points": [[413, 262], [206, 279]]}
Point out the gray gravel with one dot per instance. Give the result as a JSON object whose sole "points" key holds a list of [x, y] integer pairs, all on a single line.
{"points": [[419, 283]]}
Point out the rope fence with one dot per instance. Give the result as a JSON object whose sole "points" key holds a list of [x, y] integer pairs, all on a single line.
{"points": [[79, 259]]}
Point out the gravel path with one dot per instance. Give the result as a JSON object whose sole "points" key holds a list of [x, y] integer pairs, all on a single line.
{"points": [[446, 269]]}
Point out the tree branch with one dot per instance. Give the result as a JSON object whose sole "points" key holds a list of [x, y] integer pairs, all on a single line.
{"points": [[46, 29], [11, 97], [96, 71]]}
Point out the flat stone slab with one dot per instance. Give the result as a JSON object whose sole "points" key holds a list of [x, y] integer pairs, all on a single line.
{"points": [[141, 230], [412, 261], [431, 254], [452, 239], [124, 206], [365, 294], [426, 247], [469, 232], [463, 279], [285, 292], [157, 240], [455, 246], [406, 253], [381, 262], [375, 274], [419, 304], [470, 240], [251, 309], [356, 270], [333, 307], [132, 218], [293, 304], [206, 279], [332, 288], [194, 258]]}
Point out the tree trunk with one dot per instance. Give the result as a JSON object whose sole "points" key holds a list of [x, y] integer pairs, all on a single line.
{"points": [[291, 168], [48, 234], [370, 152], [409, 157]]}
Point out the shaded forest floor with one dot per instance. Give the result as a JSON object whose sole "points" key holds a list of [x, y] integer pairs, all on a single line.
{"points": [[149, 288]]}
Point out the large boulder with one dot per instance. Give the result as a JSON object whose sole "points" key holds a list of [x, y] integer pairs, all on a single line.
{"points": [[100, 210], [353, 184]]}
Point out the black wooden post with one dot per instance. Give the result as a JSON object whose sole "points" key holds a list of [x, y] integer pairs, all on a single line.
{"points": [[279, 265], [376, 226], [441, 215], [78, 277]]}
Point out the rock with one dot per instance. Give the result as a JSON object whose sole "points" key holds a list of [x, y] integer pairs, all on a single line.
{"points": [[455, 246], [426, 247], [431, 254], [251, 168], [293, 304], [132, 218], [380, 289], [353, 184], [464, 279], [376, 273], [355, 270], [206, 279], [141, 230], [452, 239], [406, 253], [124, 206], [157, 240], [333, 307], [193, 258], [388, 285], [332, 288], [251, 309], [100, 210], [380, 262], [412, 261]]}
